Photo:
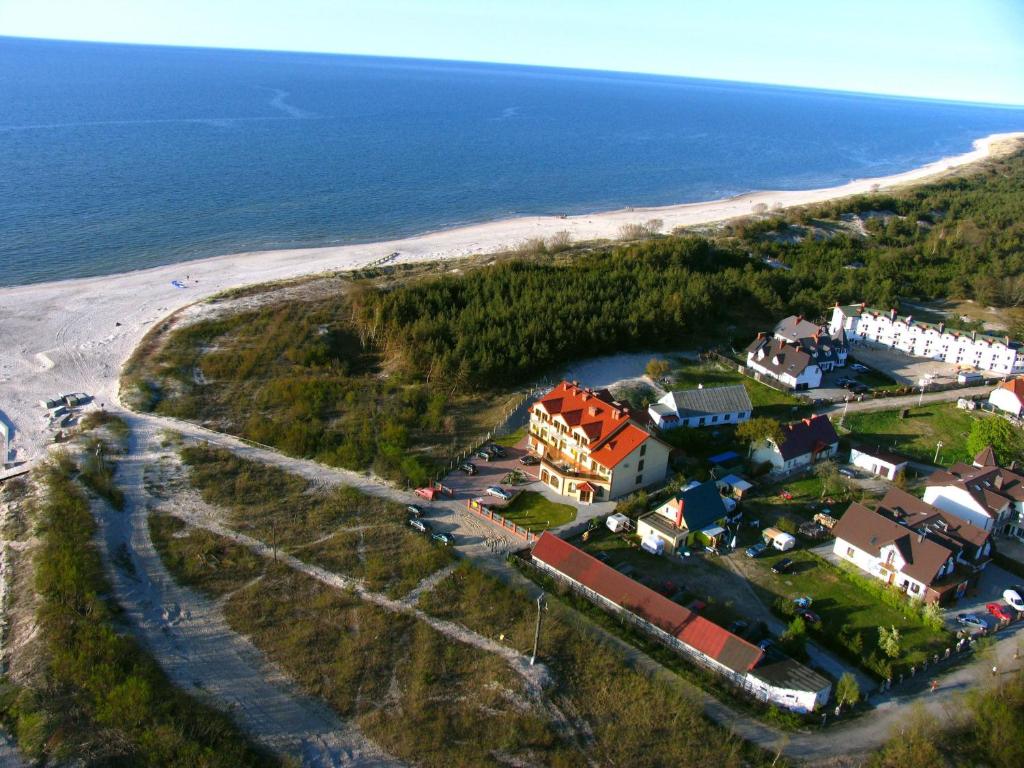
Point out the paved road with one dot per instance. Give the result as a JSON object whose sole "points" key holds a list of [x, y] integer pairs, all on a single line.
{"points": [[859, 736], [905, 401]]}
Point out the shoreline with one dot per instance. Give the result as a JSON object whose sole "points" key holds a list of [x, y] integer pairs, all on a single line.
{"points": [[74, 335]]}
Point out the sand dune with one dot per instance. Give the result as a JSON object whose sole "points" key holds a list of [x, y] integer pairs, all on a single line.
{"points": [[74, 335]]}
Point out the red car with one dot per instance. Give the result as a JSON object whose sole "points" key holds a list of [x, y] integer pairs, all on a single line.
{"points": [[1000, 611], [786, 495]]}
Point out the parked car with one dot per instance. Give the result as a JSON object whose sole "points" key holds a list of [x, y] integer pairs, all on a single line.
{"points": [[842, 381], [859, 368], [501, 493], [529, 460], [444, 538], [858, 389], [468, 467], [783, 566], [419, 525], [786, 495], [970, 620], [415, 511], [1013, 597], [802, 602], [739, 627], [810, 617], [485, 455], [847, 472], [495, 450], [756, 550], [1000, 611]]}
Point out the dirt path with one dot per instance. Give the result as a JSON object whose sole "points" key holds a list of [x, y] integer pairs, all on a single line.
{"points": [[852, 738], [191, 640]]}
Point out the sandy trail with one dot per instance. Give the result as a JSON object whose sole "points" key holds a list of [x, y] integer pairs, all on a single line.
{"points": [[191, 640], [74, 335]]}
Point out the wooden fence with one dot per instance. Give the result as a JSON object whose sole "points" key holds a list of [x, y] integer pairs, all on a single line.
{"points": [[482, 511]]}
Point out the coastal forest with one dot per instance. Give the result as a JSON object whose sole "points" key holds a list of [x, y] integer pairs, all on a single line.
{"points": [[397, 371]]}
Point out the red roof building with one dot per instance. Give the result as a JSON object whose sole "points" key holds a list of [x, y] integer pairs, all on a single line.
{"points": [[590, 445], [672, 622]]}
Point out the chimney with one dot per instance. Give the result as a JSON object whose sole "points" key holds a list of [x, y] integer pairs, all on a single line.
{"points": [[974, 335], [592, 410], [998, 482], [892, 315], [799, 318], [910, 319], [1013, 465], [679, 513], [942, 327], [807, 422]]}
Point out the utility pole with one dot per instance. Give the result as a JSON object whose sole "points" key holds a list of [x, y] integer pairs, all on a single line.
{"points": [[536, 634]]}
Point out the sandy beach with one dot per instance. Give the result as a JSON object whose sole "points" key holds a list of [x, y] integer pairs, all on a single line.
{"points": [[74, 335]]}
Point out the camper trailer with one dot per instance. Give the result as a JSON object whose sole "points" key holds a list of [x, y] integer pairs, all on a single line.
{"points": [[780, 540]]}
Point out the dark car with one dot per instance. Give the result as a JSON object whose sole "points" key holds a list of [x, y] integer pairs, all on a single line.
{"points": [[756, 550], [484, 455], [495, 450], [857, 388], [415, 510], [444, 538], [419, 525], [813, 530], [468, 467], [529, 460], [810, 617], [783, 566]]}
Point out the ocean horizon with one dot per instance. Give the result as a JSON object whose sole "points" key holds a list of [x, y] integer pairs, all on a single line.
{"points": [[121, 157]]}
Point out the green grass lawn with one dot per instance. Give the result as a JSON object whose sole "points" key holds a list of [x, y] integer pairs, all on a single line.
{"points": [[846, 608], [917, 435], [512, 439], [766, 401], [533, 511]]}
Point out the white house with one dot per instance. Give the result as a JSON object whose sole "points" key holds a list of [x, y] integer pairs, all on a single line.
{"points": [[965, 349], [878, 461], [984, 494], [797, 352], [702, 407], [909, 544], [804, 442], [789, 684], [1009, 397]]}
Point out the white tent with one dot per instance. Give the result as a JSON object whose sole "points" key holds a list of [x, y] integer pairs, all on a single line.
{"points": [[617, 522]]}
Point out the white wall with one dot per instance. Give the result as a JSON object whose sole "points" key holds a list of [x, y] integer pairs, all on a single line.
{"points": [[1005, 400], [624, 474], [875, 465], [798, 701], [958, 502], [870, 565]]}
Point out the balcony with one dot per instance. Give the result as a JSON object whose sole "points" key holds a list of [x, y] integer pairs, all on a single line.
{"points": [[570, 470]]}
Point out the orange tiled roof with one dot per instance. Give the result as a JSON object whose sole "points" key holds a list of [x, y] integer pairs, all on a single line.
{"points": [[1016, 386], [606, 423]]}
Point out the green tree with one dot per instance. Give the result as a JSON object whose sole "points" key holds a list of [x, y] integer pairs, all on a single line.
{"points": [[828, 473], [889, 641], [759, 428], [794, 639], [847, 690], [657, 368], [1000, 434]]}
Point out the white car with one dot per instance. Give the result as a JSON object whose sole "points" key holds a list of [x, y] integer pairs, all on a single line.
{"points": [[501, 493], [1013, 598]]}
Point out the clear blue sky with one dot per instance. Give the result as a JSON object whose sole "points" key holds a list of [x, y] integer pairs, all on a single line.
{"points": [[970, 50]]}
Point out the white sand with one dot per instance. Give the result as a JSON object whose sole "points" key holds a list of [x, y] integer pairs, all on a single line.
{"points": [[63, 337]]}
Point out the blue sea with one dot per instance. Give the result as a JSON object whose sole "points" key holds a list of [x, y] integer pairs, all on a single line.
{"points": [[117, 157]]}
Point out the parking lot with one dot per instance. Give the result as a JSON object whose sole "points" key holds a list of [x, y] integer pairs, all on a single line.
{"points": [[490, 473], [902, 367]]}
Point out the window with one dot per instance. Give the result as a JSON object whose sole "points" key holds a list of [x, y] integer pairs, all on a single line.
{"points": [[639, 479], [849, 552], [640, 466], [915, 588], [643, 449], [714, 419]]}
